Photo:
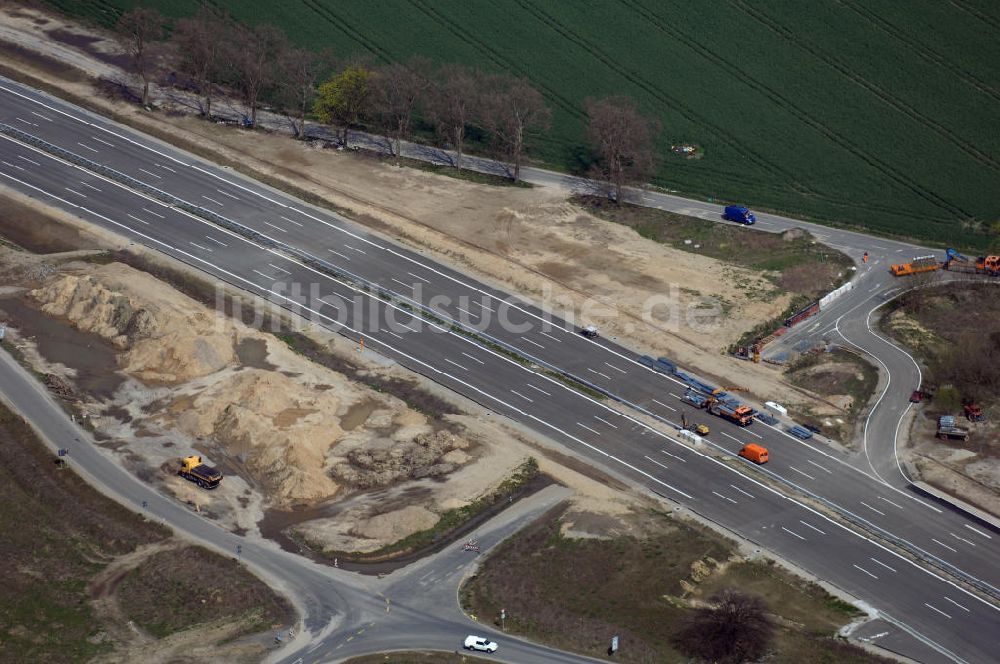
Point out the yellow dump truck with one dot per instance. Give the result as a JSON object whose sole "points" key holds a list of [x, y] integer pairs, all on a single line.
{"points": [[205, 476]]}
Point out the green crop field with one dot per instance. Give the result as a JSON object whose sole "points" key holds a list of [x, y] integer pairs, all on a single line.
{"points": [[876, 113]]}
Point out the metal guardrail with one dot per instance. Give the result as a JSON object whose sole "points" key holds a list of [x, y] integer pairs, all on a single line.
{"points": [[458, 327]]}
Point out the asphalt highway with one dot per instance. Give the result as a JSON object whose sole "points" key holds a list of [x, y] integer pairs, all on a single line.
{"points": [[731, 494], [345, 614]]}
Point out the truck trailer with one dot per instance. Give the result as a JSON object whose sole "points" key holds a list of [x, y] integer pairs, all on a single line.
{"points": [[741, 415], [916, 266], [693, 398]]}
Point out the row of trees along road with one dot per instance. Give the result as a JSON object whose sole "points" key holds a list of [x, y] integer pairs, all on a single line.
{"points": [[216, 55]]}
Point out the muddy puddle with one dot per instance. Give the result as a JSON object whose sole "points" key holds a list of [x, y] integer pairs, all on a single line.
{"points": [[358, 414], [253, 353], [93, 358]]}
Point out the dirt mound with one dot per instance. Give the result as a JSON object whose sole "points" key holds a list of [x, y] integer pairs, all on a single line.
{"points": [[295, 431], [168, 338], [280, 428], [384, 461]]}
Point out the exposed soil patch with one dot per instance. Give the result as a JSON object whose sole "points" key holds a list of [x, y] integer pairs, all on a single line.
{"points": [[793, 260], [253, 353], [845, 379], [30, 229], [573, 592], [89, 44], [15, 54], [174, 589], [63, 552], [276, 526], [954, 329], [358, 414]]}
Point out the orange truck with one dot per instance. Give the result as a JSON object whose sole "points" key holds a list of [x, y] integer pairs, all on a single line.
{"points": [[741, 415], [754, 452], [916, 266], [989, 265]]}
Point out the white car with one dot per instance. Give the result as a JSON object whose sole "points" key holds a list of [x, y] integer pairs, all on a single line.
{"points": [[480, 644]]}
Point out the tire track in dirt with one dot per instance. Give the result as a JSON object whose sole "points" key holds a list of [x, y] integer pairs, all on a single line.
{"points": [[984, 18], [890, 172], [925, 52], [102, 587], [657, 93], [889, 99], [734, 70], [341, 25], [494, 55]]}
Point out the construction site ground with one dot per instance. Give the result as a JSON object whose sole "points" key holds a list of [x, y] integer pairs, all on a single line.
{"points": [[846, 379], [581, 578], [322, 446], [147, 408], [954, 331], [533, 241], [418, 658], [87, 580]]}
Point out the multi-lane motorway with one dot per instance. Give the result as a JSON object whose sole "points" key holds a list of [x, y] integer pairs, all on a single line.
{"points": [[344, 614], [917, 590]]}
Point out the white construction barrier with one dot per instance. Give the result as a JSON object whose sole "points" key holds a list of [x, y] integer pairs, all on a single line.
{"points": [[834, 294]]}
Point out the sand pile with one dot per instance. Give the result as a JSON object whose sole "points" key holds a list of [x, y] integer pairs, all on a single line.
{"points": [[289, 426], [280, 428], [166, 338]]}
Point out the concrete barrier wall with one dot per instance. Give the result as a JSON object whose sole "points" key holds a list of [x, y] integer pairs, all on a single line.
{"points": [[834, 294]]}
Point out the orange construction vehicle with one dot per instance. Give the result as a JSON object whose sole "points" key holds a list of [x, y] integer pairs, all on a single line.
{"points": [[956, 262], [729, 410], [754, 452], [916, 266]]}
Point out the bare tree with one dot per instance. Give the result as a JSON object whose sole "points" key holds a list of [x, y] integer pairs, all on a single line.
{"points": [[451, 105], [737, 629], [395, 90], [199, 42], [138, 30], [300, 73], [623, 140], [510, 109], [253, 54]]}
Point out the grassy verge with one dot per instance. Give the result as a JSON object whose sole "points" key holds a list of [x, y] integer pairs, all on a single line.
{"points": [[173, 590], [449, 171], [57, 533], [836, 373], [54, 527], [955, 329], [791, 261], [422, 657], [801, 264], [452, 520], [577, 593], [761, 330]]}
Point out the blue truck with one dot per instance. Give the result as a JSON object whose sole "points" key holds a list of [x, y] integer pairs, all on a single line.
{"points": [[739, 214], [695, 399]]}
